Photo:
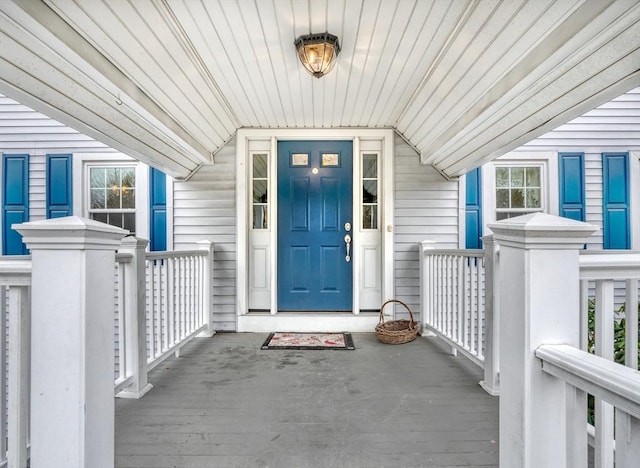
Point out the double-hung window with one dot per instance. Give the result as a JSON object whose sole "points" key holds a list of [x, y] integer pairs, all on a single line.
{"points": [[112, 195], [518, 190]]}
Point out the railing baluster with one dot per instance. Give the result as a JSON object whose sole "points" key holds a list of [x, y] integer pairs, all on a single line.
{"points": [[462, 309], [577, 439], [151, 304], [604, 348], [3, 371], [19, 358]]}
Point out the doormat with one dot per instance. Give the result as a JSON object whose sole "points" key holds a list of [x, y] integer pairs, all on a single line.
{"points": [[279, 340]]}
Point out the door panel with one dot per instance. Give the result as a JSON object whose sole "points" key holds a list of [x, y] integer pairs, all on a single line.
{"points": [[314, 202]]}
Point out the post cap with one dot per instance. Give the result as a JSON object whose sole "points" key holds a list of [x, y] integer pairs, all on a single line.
{"points": [[70, 233], [542, 231]]}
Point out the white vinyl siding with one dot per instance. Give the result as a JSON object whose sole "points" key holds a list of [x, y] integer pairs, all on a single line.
{"points": [[204, 207], [426, 208], [23, 130], [611, 127]]}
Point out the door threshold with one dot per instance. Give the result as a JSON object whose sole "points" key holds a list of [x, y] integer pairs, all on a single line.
{"points": [[260, 321]]}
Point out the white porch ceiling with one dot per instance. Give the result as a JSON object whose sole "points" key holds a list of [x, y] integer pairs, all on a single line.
{"points": [[170, 81]]}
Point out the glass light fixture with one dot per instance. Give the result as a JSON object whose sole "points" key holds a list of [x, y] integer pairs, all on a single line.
{"points": [[318, 52]]}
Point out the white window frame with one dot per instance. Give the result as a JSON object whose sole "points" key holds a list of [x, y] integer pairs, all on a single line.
{"points": [[378, 191], [81, 164], [548, 163], [90, 211]]}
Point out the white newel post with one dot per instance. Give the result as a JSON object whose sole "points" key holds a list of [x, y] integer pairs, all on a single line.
{"points": [[135, 338], [72, 404], [491, 382], [539, 304], [207, 287], [426, 289]]}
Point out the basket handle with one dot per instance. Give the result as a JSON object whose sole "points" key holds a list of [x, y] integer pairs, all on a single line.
{"points": [[389, 302]]}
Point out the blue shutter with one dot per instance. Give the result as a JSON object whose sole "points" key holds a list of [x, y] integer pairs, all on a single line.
{"points": [[615, 200], [473, 209], [15, 201], [572, 193], [59, 186], [157, 210]]}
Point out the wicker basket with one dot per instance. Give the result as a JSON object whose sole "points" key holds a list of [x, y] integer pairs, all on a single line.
{"points": [[396, 331]]}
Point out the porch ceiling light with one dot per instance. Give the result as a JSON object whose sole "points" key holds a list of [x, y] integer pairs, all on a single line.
{"points": [[318, 52]]}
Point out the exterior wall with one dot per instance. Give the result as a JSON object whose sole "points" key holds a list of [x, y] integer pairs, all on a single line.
{"points": [[204, 207], [23, 130], [612, 127], [426, 207]]}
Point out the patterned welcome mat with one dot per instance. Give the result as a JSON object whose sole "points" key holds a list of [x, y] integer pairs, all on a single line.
{"points": [[280, 340]]}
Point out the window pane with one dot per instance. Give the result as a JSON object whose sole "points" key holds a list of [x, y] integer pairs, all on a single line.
{"points": [[370, 217], [97, 177], [113, 197], [330, 159], [113, 177], [128, 177], [370, 166], [299, 159], [102, 217], [259, 217], [533, 176], [502, 176], [129, 222], [517, 198], [517, 176], [115, 219], [533, 198], [260, 166], [97, 198], [260, 191], [370, 191], [128, 198], [502, 198]]}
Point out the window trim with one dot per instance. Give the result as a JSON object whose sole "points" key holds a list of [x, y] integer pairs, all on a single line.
{"points": [[268, 181], [547, 160], [362, 179], [81, 164]]}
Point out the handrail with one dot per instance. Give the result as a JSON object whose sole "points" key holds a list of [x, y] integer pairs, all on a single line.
{"points": [[615, 383], [612, 265], [461, 252], [15, 270], [175, 254], [122, 257]]}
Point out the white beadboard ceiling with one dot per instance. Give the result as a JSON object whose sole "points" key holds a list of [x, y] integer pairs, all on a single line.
{"points": [[463, 81]]}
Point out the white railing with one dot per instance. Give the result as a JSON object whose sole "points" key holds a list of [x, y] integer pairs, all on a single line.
{"points": [[164, 301], [604, 277], [15, 281], [613, 385], [453, 298], [178, 291]]}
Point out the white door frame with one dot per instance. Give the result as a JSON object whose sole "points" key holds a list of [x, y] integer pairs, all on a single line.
{"points": [[358, 136]]}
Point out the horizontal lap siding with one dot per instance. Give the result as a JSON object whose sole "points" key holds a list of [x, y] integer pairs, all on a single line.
{"points": [[204, 207], [426, 207], [23, 130], [612, 127]]}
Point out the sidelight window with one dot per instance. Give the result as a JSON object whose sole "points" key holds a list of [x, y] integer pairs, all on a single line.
{"points": [[260, 183], [370, 184]]}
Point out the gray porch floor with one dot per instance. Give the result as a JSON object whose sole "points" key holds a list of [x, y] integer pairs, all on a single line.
{"points": [[226, 403]]}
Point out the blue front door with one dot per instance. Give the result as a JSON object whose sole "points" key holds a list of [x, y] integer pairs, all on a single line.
{"points": [[315, 203]]}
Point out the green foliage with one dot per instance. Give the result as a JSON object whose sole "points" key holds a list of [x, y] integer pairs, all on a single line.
{"points": [[619, 342]]}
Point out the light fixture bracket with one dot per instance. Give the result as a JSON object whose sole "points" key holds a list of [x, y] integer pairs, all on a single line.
{"points": [[318, 52]]}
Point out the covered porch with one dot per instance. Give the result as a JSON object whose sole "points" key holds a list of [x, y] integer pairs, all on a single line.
{"points": [[224, 402]]}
